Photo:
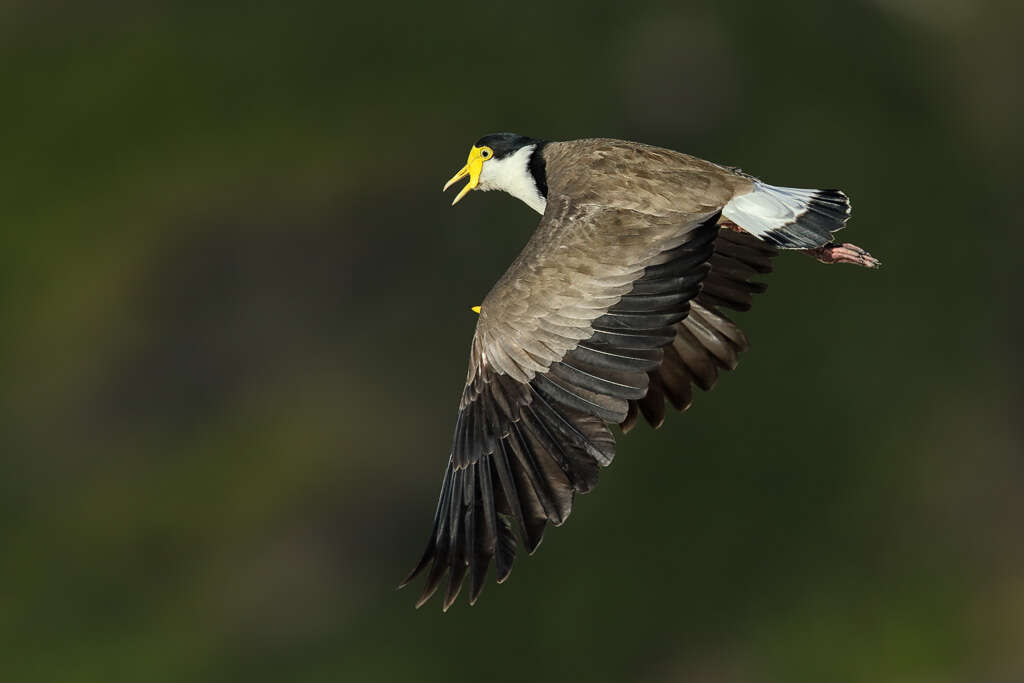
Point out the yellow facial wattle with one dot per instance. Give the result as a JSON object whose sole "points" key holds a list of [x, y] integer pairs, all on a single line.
{"points": [[474, 164]]}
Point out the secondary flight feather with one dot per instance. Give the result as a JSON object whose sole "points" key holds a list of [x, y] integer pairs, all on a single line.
{"points": [[612, 310]]}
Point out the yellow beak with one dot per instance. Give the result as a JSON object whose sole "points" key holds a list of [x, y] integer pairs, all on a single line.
{"points": [[474, 163]]}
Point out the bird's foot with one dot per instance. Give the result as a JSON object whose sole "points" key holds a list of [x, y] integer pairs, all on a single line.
{"points": [[844, 253]]}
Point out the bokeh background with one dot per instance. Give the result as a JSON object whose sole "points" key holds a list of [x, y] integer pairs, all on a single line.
{"points": [[234, 316]]}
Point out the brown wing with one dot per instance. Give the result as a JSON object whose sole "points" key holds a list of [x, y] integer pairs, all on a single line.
{"points": [[706, 341], [564, 342]]}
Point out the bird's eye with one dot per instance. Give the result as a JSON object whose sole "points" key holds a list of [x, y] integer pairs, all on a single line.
{"points": [[485, 153]]}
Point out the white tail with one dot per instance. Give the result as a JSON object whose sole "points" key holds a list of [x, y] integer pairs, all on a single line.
{"points": [[790, 217]]}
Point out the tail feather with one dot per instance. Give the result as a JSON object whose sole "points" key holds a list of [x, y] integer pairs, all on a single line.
{"points": [[789, 217]]}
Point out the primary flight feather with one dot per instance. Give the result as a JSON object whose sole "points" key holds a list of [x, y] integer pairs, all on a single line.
{"points": [[612, 308]]}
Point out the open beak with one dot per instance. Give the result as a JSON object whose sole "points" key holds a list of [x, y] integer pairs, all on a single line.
{"points": [[474, 163]]}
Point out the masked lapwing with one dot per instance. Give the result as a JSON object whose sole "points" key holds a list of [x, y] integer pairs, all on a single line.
{"points": [[612, 308]]}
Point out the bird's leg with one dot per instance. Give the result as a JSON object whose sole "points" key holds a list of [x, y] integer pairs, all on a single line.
{"points": [[843, 253], [833, 252]]}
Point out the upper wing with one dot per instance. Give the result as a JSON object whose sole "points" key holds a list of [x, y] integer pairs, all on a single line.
{"points": [[564, 342], [707, 340]]}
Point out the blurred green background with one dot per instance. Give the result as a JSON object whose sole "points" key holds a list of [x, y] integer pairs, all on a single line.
{"points": [[234, 316]]}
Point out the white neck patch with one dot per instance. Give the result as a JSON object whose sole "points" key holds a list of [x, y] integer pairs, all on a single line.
{"points": [[512, 174]]}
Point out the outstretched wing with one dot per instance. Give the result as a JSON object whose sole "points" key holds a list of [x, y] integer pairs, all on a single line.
{"points": [[706, 341], [564, 343]]}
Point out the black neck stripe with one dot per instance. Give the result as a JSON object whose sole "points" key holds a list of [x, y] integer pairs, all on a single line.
{"points": [[538, 169]]}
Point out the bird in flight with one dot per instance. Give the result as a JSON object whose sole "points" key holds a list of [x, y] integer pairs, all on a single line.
{"points": [[612, 309]]}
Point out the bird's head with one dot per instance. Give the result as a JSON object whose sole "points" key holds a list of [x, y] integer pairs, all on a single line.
{"points": [[509, 162]]}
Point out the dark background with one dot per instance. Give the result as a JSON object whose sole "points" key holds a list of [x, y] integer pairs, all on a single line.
{"points": [[234, 316]]}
